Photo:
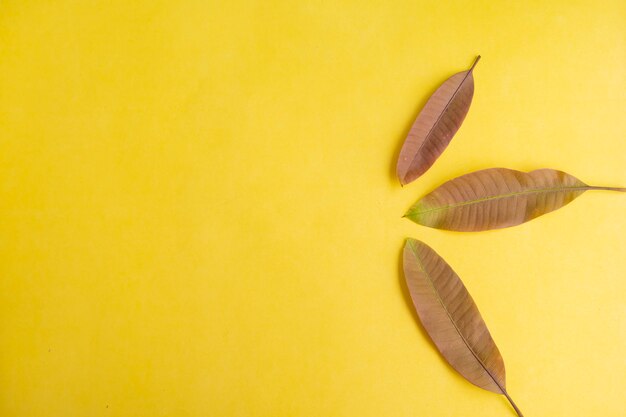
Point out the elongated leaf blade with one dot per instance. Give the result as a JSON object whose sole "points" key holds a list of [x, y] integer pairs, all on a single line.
{"points": [[451, 318], [435, 126], [496, 198]]}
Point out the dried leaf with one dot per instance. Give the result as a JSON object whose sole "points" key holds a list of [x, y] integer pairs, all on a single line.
{"points": [[451, 318], [435, 126], [496, 198]]}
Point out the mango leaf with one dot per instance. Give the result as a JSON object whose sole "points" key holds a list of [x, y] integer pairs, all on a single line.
{"points": [[452, 320], [496, 198], [435, 126]]}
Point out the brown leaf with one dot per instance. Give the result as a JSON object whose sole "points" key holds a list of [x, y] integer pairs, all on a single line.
{"points": [[496, 198], [451, 318], [435, 126]]}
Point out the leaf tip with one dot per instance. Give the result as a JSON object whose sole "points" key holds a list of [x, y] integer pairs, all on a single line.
{"points": [[411, 243], [413, 213]]}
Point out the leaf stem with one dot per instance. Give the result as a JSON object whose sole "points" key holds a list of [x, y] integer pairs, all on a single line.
{"points": [[620, 189], [474, 64], [517, 410]]}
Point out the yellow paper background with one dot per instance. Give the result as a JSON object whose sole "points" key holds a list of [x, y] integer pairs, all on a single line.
{"points": [[199, 215]]}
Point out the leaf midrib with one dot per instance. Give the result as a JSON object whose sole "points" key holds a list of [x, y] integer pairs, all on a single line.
{"points": [[432, 128], [502, 196], [432, 286]]}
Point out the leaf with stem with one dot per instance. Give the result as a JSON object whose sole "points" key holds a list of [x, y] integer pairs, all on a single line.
{"points": [[452, 320]]}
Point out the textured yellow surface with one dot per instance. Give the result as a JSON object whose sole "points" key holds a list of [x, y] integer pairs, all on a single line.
{"points": [[199, 215]]}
